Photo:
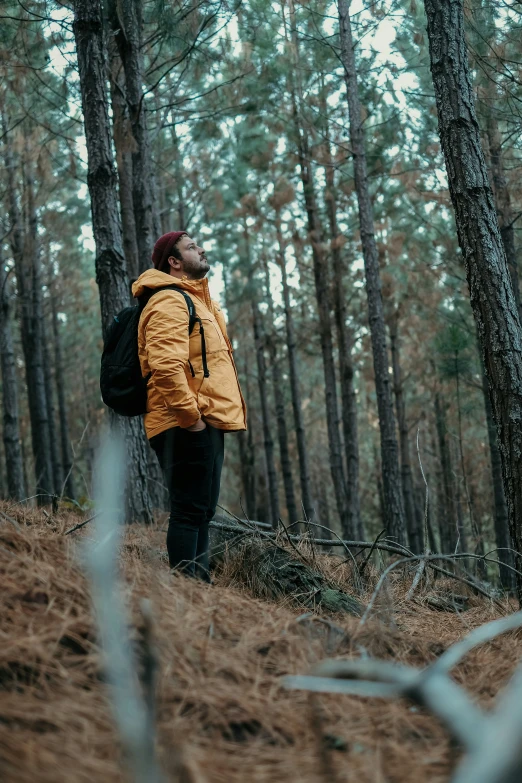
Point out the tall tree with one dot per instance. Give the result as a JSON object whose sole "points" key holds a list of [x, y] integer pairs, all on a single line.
{"points": [[447, 501], [491, 292], [321, 277], [123, 144], [25, 250], [65, 442], [344, 341], [10, 406], [295, 390], [279, 397], [415, 532], [111, 273], [393, 502], [49, 375]]}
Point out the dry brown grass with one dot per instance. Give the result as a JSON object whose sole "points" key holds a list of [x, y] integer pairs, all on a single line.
{"points": [[223, 654]]}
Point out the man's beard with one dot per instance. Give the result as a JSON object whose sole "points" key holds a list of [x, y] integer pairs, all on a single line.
{"points": [[197, 270]]}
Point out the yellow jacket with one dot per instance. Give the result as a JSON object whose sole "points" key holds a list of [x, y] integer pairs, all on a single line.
{"points": [[174, 397]]}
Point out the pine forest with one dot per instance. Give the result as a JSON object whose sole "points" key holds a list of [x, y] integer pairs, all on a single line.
{"points": [[352, 172]]}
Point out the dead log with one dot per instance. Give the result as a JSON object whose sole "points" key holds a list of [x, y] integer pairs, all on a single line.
{"points": [[272, 571]]}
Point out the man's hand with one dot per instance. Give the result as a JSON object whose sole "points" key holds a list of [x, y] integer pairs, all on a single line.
{"points": [[197, 426]]}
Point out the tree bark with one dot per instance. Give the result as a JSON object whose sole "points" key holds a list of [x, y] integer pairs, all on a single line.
{"points": [[65, 440], [127, 23], [500, 511], [291, 345], [415, 529], [393, 502], [123, 143], [506, 224], [111, 273], [505, 216], [282, 430], [491, 291], [322, 293], [11, 427]]}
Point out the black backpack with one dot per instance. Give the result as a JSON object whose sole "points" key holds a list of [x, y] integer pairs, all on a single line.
{"points": [[122, 385]]}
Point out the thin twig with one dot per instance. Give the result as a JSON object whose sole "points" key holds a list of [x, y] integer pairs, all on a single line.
{"points": [[370, 553], [80, 525], [74, 458]]}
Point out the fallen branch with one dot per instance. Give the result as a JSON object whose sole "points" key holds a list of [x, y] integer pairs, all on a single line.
{"points": [[479, 732], [10, 519], [319, 541], [275, 572], [385, 547], [426, 558]]}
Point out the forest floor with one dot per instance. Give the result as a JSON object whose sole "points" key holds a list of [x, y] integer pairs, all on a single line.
{"points": [[221, 704]]}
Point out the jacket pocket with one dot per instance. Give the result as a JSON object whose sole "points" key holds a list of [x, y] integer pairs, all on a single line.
{"points": [[214, 340]]}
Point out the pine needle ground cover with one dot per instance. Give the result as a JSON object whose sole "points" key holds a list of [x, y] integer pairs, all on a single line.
{"points": [[223, 713]]}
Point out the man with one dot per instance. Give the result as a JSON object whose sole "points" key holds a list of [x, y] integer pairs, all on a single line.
{"points": [[187, 412]]}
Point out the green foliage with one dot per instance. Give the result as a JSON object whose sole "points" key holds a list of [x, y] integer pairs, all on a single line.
{"points": [[222, 83]]}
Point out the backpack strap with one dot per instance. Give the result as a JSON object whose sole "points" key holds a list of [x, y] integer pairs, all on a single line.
{"points": [[193, 319]]}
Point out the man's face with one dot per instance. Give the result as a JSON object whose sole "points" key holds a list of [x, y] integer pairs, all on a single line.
{"points": [[194, 261]]}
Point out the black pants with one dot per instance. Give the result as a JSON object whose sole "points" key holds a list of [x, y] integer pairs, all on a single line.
{"points": [[191, 463]]}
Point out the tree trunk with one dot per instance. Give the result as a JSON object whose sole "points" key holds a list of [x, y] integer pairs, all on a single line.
{"points": [[259, 338], [11, 428], [448, 513], [322, 293], [415, 528], [248, 471], [247, 452], [178, 173], [27, 262], [393, 502], [111, 273], [50, 371], [353, 529], [492, 299], [127, 23], [123, 143], [462, 542], [279, 397], [65, 440], [304, 470], [500, 512]]}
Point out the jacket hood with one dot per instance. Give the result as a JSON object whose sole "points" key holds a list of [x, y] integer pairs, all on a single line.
{"points": [[151, 278]]}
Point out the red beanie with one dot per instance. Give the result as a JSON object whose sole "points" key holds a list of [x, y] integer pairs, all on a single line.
{"points": [[163, 248]]}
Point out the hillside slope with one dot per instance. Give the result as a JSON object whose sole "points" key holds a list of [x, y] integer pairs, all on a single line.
{"points": [[221, 705]]}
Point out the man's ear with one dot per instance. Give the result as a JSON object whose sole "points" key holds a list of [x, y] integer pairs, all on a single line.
{"points": [[175, 263]]}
